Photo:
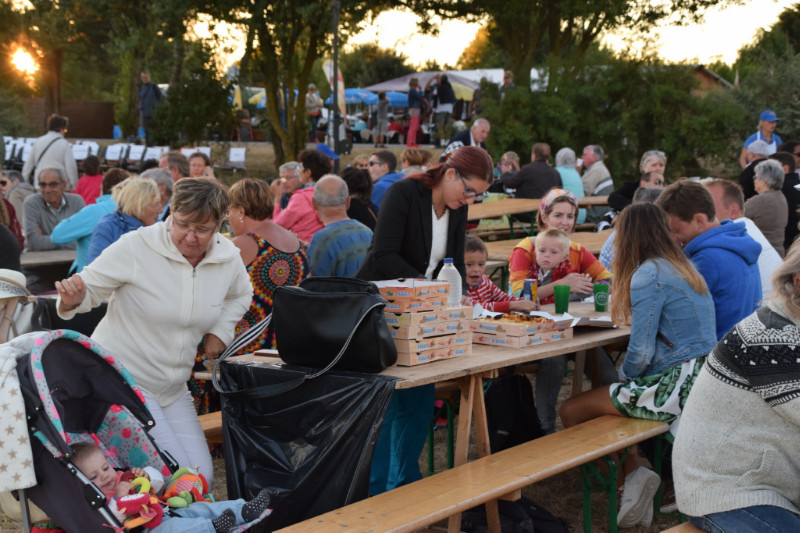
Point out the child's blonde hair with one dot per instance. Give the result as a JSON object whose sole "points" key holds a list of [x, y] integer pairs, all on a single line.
{"points": [[556, 234]]}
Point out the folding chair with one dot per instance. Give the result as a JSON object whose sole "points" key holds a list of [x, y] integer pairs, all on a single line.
{"points": [[134, 159], [114, 154], [237, 160], [94, 148], [153, 152], [80, 152]]}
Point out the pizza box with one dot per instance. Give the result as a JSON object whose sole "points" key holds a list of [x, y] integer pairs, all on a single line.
{"points": [[415, 306], [456, 313], [413, 319], [517, 329], [427, 356], [508, 341], [412, 345], [424, 331], [412, 289]]}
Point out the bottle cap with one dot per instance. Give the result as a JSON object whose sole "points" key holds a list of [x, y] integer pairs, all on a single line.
{"points": [[448, 260]]}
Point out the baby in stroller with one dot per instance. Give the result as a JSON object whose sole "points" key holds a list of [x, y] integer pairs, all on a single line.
{"points": [[197, 516], [75, 393]]}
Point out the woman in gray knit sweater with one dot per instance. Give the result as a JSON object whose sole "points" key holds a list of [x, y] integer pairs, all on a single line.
{"points": [[736, 460]]}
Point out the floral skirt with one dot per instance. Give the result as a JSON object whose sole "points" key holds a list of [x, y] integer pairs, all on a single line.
{"points": [[658, 397]]}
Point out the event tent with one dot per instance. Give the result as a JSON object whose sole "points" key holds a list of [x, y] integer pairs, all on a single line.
{"points": [[462, 86]]}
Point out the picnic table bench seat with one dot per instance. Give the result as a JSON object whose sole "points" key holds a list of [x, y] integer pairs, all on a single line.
{"points": [[212, 426], [497, 476]]}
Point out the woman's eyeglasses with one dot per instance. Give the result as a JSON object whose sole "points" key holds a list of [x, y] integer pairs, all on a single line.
{"points": [[469, 193]]}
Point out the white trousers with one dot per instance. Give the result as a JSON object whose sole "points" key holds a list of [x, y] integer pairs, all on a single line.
{"points": [[178, 432]]}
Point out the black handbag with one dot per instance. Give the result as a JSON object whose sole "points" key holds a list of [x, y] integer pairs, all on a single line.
{"points": [[325, 322], [329, 322]]}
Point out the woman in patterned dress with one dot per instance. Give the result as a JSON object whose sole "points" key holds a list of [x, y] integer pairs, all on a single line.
{"points": [[273, 257], [665, 300]]}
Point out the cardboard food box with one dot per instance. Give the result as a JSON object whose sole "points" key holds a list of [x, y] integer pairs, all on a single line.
{"points": [[508, 341], [424, 331], [412, 319], [412, 289], [412, 345], [427, 356], [517, 329], [415, 306], [457, 313]]}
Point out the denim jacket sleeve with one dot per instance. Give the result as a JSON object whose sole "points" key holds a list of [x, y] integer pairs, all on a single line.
{"points": [[647, 300]]}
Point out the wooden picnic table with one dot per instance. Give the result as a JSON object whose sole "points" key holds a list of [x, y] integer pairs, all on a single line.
{"points": [[485, 362], [47, 258], [592, 241], [516, 206]]}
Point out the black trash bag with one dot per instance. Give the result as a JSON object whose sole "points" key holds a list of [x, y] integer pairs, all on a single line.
{"points": [[511, 412], [310, 446], [520, 516]]}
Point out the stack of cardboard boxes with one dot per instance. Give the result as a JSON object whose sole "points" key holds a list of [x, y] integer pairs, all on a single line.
{"points": [[423, 327], [520, 334]]}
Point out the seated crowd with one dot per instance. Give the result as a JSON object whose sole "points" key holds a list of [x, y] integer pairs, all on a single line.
{"points": [[695, 269]]}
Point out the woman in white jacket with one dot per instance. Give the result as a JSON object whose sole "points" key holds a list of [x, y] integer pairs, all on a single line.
{"points": [[168, 285]]}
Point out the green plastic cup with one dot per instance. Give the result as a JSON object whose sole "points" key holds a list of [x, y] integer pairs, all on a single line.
{"points": [[562, 298], [601, 297]]}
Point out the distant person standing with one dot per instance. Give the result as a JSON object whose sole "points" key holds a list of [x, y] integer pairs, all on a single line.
{"points": [[445, 98], [314, 106], [149, 96], [767, 122], [52, 150], [382, 116], [415, 99]]}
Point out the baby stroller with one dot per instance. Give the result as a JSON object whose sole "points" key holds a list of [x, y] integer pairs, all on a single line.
{"points": [[75, 391]]}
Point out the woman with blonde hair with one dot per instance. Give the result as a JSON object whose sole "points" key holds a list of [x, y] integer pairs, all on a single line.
{"points": [[671, 313], [413, 160], [138, 204]]}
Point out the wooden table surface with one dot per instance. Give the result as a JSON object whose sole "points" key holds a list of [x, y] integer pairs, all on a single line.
{"points": [[592, 241], [515, 206], [47, 257]]}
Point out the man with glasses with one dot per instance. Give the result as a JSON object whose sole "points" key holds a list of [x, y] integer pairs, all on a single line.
{"points": [[288, 181], [44, 210], [52, 150], [382, 166]]}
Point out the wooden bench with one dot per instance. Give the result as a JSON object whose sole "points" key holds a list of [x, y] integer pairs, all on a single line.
{"points": [[497, 476], [212, 426]]}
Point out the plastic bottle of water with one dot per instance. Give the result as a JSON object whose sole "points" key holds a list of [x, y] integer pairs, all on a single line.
{"points": [[450, 274]]}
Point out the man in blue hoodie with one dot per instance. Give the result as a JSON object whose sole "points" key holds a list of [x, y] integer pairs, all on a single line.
{"points": [[723, 253]]}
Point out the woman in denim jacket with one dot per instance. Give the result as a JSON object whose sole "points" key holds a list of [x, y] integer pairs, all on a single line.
{"points": [[665, 300]]}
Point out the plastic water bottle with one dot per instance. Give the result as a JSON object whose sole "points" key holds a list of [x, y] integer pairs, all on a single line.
{"points": [[450, 274]]}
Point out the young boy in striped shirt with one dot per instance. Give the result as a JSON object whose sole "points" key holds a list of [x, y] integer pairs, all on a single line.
{"points": [[481, 290]]}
